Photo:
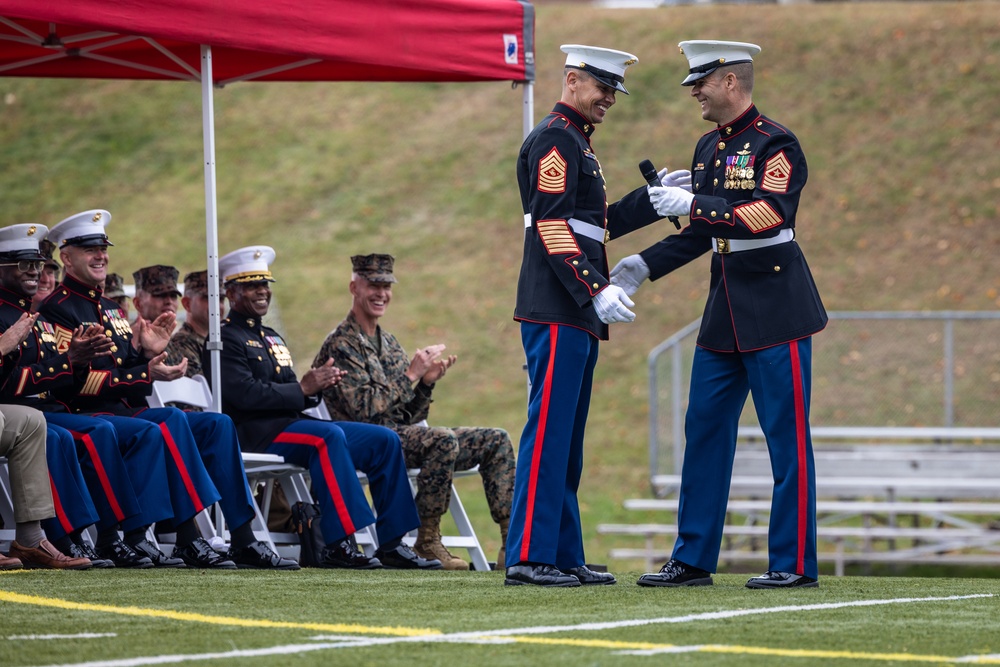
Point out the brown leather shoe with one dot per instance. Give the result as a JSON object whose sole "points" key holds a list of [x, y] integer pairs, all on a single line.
{"points": [[46, 556], [8, 563]]}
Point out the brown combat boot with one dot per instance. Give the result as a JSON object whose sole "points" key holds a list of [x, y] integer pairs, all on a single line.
{"points": [[428, 545], [502, 555]]}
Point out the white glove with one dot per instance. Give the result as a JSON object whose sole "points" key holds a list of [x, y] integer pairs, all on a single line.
{"points": [[670, 201], [612, 305], [629, 273], [676, 179]]}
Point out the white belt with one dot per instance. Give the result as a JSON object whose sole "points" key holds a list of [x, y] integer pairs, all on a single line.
{"points": [[726, 246], [590, 230]]}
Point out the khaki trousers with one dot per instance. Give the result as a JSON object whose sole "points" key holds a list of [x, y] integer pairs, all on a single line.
{"points": [[22, 441]]}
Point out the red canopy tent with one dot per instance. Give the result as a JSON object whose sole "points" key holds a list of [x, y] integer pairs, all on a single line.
{"points": [[217, 42]]}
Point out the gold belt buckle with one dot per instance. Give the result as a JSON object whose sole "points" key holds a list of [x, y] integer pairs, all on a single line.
{"points": [[607, 236], [723, 246]]}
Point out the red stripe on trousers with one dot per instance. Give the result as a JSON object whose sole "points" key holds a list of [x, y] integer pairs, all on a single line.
{"points": [[800, 442], [536, 455], [60, 513], [182, 468], [328, 474], [102, 474]]}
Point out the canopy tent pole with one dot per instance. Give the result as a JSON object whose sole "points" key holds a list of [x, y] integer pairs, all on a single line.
{"points": [[528, 113], [214, 343]]}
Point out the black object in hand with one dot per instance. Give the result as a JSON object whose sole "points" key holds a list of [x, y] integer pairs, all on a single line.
{"points": [[649, 173]]}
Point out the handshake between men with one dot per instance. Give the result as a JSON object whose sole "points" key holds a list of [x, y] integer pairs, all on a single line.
{"points": [[672, 198]]}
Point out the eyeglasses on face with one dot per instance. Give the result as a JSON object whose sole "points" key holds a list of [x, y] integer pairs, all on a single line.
{"points": [[26, 265]]}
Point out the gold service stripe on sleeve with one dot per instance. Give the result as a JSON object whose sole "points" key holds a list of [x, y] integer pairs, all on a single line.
{"points": [[758, 216], [557, 237], [25, 374], [94, 381]]}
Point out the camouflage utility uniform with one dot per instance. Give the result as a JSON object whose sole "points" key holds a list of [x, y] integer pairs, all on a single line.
{"points": [[377, 391], [186, 343]]}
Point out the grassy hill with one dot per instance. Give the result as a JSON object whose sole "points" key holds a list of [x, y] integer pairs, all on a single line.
{"points": [[894, 105]]}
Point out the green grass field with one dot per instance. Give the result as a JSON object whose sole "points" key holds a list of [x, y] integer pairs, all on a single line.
{"points": [[895, 106], [324, 617]]}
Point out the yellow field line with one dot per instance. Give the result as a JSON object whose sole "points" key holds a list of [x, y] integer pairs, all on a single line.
{"points": [[6, 596], [584, 643], [833, 655], [745, 650]]}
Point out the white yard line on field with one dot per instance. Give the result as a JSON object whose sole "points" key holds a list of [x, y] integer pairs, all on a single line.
{"points": [[529, 635]]}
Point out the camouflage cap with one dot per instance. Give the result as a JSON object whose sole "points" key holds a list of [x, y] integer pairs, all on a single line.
{"points": [[197, 281], [157, 280], [114, 286], [47, 248], [375, 268]]}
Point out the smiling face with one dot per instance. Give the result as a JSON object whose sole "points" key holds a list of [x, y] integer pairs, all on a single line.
{"points": [[23, 283], [88, 264], [150, 306], [725, 93], [369, 301], [588, 95], [250, 298]]}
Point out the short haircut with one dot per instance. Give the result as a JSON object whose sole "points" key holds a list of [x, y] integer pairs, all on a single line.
{"points": [[743, 73]]}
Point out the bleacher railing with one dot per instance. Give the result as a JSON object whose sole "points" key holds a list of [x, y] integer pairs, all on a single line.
{"points": [[929, 374]]}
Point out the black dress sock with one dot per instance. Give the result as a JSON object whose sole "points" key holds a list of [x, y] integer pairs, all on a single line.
{"points": [[187, 532], [107, 537], [136, 535], [241, 536], [389, 545], [63, 543]]}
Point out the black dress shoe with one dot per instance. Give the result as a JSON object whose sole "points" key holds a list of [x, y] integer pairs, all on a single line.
{"points": [[403, 558], [258, 556], [539, 575], [588, 577], [201, 554], [160, 559], [773, 579], [122, 555], [345, 554], [85, 551], [676, 573]]}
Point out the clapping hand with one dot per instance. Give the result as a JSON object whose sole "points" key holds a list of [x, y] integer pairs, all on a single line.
{"points": [[318, 379], [438, 369], [160, 370], [152, 337], [87, 344], [428, 365], [17, 332]]}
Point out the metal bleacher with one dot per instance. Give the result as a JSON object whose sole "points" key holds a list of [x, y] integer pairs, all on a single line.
{"points": [[905, 437]]}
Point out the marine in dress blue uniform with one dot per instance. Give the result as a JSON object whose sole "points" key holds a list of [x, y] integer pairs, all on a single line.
{"points": [[110, 458], [564, 304], [202, 454], [263, 395], [762, 310]]}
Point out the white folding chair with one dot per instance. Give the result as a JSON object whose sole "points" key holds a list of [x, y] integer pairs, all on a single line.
{"points": [[466, 538], [189, 390], [260, 468], [6, 506]]}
